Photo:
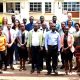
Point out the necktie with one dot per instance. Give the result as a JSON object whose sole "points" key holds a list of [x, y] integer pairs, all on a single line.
{"points": [[23, 38], [9, 36]]}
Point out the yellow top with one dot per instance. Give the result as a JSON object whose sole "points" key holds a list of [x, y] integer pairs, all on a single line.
{"points": [[3, 43]]}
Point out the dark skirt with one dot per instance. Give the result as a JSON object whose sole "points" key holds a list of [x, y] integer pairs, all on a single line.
{"points": [[77, 51], [68, 55], [23, 54]]}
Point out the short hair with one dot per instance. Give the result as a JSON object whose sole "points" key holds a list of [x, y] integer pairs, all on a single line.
{"points": [[41, 17], [69, 14], [77, 23]]}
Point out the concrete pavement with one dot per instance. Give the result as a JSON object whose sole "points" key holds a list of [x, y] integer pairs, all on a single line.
{"points": [[25, 75]]}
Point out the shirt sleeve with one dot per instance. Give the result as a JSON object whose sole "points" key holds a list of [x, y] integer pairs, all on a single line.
{"points": [[46, 41], [58, 42]]}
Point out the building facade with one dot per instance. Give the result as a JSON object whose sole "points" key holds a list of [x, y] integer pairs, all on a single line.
{"points": [[36, 8]]}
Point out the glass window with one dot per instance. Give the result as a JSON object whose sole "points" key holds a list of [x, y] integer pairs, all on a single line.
{"points": [[35, 6], [71, 6], [12, 7], [48, 7]]}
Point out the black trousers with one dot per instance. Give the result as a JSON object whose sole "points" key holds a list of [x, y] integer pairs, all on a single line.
{"points": [[2, 59], [9, 56], [42, 57], [52, 56], [35, 57], [62, 57]]}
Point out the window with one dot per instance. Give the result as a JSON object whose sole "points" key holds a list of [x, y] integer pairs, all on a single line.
{"points": [[35, 6], [48, 7], [71, 6], [1, 7], [12, 7]]}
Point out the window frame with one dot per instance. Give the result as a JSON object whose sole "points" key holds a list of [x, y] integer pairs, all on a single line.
{"points": [[48, 5], [35, 7], [15, 7]]}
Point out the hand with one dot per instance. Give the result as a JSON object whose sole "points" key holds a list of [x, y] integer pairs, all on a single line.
{"points": [[22, 45], [9, 45], [64, 49], [46, 51], [58, 52], [41, 48]]}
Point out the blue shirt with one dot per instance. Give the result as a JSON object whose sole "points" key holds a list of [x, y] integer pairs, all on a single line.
{"points": [[52, 38], [29, 26], [58, 27], [73, 23]]}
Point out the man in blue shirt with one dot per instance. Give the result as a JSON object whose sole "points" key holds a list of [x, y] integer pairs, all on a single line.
{"points": [[70, 19], [54, 20], [52, 46], [29, 26]]}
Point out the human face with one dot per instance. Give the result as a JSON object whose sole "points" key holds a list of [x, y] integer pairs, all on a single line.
{"points": [[69, 16], [63, 25], [43, 25], [53, 27], [35, 27], [69, 23], [66, 31], [16, 23], [77, 27], [50, 24], [31, 19], [22, 26], [54, 18]]}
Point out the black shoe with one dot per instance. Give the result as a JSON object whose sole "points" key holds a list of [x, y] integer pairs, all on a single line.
{"points": [[12, 68], [29, 62], [38, 72], [49, 72], [1, 72], [55, 72], [5, 69], [62, 67], [20, 69], [32, 71], [75, 68], [24, 68]]}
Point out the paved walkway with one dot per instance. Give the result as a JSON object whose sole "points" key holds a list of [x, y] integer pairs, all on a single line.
{"points": [[25, 75]]}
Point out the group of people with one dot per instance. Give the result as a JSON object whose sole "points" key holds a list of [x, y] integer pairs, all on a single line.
{"points": [[38, 42]]}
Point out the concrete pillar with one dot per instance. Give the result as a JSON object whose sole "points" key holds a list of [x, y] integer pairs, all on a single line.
{"points": [[4, 7], [43, 7], [58, 10], [52, 7], [24, 10]]}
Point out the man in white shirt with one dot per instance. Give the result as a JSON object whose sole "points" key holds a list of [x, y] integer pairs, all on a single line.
{"points": [[72, 30], [10, 35], [35, 43]]}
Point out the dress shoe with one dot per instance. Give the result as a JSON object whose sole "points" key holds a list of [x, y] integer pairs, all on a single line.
{"points": [[62, 67], [75, 68], [1, 72], [29, 62], [20, 69], [32, 71], [12, 68], [5, 69], [38, 72], [55, 72], [24, 68], [48, 73]]}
